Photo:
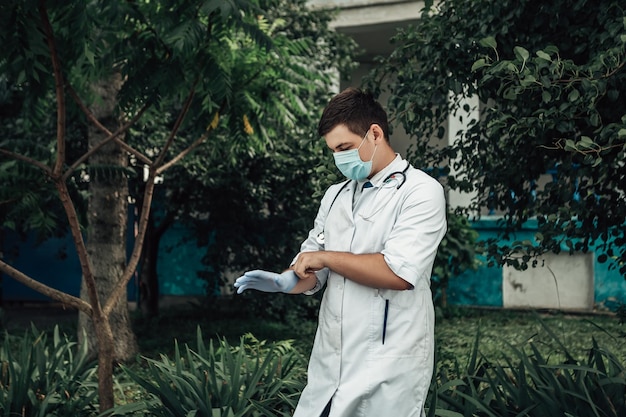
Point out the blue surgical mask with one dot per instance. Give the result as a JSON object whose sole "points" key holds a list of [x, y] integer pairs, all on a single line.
{"points": [[350, 164]]}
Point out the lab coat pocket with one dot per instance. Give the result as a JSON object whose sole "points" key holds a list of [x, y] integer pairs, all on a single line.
{"points": [[402, 299], [403, 324]]}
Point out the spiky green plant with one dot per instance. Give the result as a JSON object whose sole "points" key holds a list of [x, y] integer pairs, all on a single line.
{"points": [[532, 383], [42, 377], [252, 379]]}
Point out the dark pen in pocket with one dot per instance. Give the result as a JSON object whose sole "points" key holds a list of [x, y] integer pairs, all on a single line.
{"points": [[385, 319]]}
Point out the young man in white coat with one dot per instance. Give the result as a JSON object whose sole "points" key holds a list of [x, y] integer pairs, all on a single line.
{"points": [[372, 247]]}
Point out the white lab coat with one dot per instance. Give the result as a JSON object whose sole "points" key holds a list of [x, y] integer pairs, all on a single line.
{"points": [[349, 363]]}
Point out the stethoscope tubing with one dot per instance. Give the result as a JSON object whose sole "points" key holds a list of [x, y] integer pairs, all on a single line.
{"points": [[403, 173], [320, 236]]}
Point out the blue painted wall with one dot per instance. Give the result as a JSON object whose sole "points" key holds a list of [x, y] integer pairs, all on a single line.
{"points": [[484, 286], [52, 262], [55, 263], [179, 262]]}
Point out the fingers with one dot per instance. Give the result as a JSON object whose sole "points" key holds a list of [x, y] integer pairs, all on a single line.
{"points": [[258, 274], [305, 274], [248, 280], [242, 283], [257, 280], [307, 264]]}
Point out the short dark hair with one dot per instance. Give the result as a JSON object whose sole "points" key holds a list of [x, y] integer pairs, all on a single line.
{"points": [[357, 110]]}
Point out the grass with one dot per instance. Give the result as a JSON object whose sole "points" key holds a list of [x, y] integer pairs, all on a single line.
{"points": [[551, 332], [455, 331]]}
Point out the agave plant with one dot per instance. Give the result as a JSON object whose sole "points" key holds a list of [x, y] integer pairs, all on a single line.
{"points": [[530, 384], [252, 379], [39, 377]]}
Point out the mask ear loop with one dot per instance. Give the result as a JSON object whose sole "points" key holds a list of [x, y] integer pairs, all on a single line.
{"points": [[363, 141]]}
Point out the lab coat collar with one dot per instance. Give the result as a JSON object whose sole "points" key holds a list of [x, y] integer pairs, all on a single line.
{"points": [[396, 165]]}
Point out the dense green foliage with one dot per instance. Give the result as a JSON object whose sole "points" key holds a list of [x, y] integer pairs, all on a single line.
{"points": [[550, 77], [256, 74], [260, 203]]}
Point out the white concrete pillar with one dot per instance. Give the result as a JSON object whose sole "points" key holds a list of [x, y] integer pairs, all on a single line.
{"points": [[459, 122]]}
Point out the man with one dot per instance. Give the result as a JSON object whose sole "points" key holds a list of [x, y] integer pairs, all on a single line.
{"points": [[372, 245]]}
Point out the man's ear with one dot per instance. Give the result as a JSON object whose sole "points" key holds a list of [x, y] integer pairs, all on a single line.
{"points": [[377, 132]]}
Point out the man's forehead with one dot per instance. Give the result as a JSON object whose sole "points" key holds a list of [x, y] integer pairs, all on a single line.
{"points": [[340, 139], [340, 133]]}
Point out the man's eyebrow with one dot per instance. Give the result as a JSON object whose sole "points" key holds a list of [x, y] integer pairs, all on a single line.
{"points": [[342, 146]]}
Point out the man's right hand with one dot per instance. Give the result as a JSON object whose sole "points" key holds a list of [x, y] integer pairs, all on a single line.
{"points": [[267, 281]]}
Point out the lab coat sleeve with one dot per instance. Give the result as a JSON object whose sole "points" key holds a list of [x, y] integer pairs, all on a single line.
{"points": [[312, 242], [420, 226]]}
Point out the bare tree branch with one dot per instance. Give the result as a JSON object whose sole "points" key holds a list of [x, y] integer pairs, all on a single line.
{"points": [[44, 289], [45, 168], [112, 136], [179, 121], [195, 144], [81, 249], [183, 153], [58, 86], [137, 248]]}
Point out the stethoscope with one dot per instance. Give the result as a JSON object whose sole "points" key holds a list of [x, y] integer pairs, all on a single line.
{"points": [[393, 176]]}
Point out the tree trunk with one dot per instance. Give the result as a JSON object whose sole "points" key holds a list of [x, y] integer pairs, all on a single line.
{"points": [[148, 277], [1, 278], [107, 218], [106, 352]]}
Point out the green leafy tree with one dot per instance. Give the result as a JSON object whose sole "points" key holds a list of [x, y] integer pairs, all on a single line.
{"points": [[250, 208], [551, 82], [80, 75]]}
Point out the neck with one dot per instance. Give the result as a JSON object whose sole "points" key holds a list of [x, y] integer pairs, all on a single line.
{"points": [[383, 158]]}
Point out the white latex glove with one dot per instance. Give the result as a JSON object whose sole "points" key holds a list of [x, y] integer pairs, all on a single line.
{"points": [[266, 281]]}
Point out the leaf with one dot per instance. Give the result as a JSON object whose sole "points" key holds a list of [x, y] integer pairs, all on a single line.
{"points": [[573, 95], [479, 64], [521, 53], [544, 56], [489, 42], [546, 97], [510, 93]]}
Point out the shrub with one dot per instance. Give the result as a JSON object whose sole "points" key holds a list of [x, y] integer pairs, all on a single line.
{"points": [[252, 379], [39, 377]]}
